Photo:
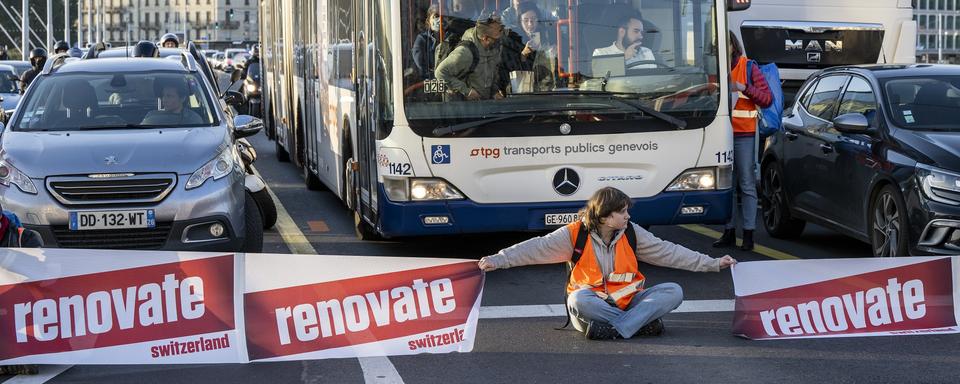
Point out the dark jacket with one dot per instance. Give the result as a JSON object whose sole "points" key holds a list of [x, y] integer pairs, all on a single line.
{"points": [[26, 78], [13, 239], [423, 54]]}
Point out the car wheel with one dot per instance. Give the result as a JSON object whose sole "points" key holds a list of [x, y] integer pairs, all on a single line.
{"points": [[888, 224], [364, 230], [282, 155], [775, 211], [253, 242], [268, 209]]}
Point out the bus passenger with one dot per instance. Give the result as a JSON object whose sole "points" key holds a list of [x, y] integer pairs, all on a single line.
{"points": [[511, 15], [466, 9], [606, 298], [537, 54], [628, 43], [472, 68], [750, 94], [426, 44]]}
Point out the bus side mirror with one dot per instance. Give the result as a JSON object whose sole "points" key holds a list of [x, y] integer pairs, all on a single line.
{"points": [[737, 5]]}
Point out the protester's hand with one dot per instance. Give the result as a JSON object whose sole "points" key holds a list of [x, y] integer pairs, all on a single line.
{"points": [[727, 261], [527, 50], [485, 265], [473, 95], [739, 87], [631, 51]]}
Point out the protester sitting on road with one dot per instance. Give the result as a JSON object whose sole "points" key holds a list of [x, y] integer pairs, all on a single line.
{"points": [[628, 44], [472, 68], [14, 235], [606, 297], [173, 97]]}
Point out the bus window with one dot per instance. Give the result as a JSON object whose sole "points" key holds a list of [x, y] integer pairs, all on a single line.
{"points": [[660, 53]]}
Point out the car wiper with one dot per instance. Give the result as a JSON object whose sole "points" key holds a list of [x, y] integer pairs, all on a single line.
{"points": [[499, 116], [680, 124]]}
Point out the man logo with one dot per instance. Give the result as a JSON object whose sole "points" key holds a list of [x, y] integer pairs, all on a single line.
{"points": [[566, 182]]}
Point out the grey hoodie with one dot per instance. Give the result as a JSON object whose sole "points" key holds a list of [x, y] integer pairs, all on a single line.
{"points": [[556, 247], [484, 78]]}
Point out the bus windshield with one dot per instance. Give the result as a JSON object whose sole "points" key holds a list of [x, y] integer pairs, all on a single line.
{"points": [[550, 60]]}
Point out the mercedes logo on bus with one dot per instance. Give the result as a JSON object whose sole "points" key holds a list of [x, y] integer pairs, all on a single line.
{"points": [[566, 182]]}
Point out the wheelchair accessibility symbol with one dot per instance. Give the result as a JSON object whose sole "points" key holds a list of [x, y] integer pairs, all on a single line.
{"points": [[441, 154]]}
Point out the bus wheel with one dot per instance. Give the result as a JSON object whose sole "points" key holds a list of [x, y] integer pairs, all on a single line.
{"points": [[349, 198], [311, 180], [364, 230]]}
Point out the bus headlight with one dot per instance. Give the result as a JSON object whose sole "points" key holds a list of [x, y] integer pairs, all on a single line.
{"points": [[419, 189], [699, 179]]}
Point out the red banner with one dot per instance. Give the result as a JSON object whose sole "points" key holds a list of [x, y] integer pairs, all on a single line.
{"points": [[368, 309], [906, 299], [118, 307]]}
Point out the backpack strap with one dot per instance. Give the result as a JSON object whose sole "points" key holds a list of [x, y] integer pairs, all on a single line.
{"points": [[474, 52], [631, 237]]}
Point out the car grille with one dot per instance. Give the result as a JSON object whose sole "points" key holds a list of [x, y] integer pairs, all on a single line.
{"points": [[139, 238], [133, 189]]}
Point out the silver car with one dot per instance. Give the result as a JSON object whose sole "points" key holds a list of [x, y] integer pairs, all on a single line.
{"points": [[128, 154]]}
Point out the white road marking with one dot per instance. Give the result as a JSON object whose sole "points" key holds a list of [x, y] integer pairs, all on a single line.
{"points": [[557, 310], [376, 369], [47, 372]]}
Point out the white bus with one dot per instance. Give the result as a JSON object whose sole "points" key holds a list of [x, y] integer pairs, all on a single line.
{"points": [[350, 107], [802, 36]]}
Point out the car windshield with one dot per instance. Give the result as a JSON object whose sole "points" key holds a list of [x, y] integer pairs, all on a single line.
{"points": [[88, 101], [7, 84], [924, 103], [660, 54]]}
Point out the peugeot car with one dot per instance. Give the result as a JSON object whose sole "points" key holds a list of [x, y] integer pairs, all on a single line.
{"points": [[128, 154], [872, 152]]}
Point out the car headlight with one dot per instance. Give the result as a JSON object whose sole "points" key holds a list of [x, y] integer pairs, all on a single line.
{"points": [[11, 175], [216, 169], [417, 189], [939, 185], [701, 179], [252, 88]]}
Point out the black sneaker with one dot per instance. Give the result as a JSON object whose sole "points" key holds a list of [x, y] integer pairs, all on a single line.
{"points": [[653, 328], [27, 369], [600, 330]]}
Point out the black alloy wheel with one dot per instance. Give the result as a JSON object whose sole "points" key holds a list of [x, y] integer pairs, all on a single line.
{"points": [[775, 211], [888, 224]]}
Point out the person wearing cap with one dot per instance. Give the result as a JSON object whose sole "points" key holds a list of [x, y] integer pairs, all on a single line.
{"points": [[14, 235], [60, 47], [170, 41], [38, 57]]}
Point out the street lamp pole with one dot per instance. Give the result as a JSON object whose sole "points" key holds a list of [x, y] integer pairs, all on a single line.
{"points": [[24, 30]]}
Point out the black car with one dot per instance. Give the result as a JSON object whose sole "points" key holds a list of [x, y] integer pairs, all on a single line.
{"points": [[872, 152]]}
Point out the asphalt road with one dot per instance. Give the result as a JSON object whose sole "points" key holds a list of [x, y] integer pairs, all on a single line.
{"points": [[698, 347]]}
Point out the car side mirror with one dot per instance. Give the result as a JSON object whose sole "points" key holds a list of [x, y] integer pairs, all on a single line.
{"points": [[852, 123], [246, 125], [234, 98]]}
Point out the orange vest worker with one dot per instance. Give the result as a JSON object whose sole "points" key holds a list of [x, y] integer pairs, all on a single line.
{"points": [[626, 279], [744, 114]]}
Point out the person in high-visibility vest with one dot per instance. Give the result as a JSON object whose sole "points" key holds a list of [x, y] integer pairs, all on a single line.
{"points": [[606, 297], [752, 91]]}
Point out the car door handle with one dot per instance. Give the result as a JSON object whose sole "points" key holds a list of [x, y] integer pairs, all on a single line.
{"points": [[826, 148], [790, 135]]}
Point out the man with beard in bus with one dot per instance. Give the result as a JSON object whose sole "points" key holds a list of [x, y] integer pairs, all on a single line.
{"points": [[472, 69], [628, 44]]}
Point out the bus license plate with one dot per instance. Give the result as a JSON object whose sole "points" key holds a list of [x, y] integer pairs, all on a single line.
{"points": [[559, 218], [143, 218]]}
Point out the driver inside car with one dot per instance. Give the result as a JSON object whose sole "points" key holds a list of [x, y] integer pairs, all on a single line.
{"points": [[629, 44], [173, 110]]}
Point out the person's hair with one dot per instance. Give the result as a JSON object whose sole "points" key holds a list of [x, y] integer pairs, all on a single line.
{"points": [[624, 20], [737, 48], [527, 6], [487, 26], [604, 201], [434, 9]]}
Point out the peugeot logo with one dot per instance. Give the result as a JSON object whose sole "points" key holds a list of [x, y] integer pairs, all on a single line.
{"points": [[111, 160], [566, 182]]}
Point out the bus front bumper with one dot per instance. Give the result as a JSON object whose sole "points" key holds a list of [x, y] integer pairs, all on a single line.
{"points": [[465, 216]]}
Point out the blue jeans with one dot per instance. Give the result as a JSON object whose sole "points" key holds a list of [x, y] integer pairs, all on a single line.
{"points": [[744, 173], [646, 306]]}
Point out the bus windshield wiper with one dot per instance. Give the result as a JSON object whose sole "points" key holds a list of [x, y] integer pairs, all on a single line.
{"points": [[614, 96], [499, 116]]}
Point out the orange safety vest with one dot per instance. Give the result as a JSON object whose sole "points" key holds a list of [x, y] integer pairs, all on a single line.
{"points": [[744, 114], [626, 279]]}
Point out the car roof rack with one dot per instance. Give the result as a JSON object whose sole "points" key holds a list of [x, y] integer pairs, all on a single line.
{"points": [[55, 62]]}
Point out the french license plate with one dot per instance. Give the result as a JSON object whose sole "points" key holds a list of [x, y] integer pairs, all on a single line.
{"points": [[143, 218], [559, 218]]}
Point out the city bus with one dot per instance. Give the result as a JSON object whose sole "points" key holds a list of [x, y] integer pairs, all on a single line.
{"points": [[349, 106], [803, 36]]}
